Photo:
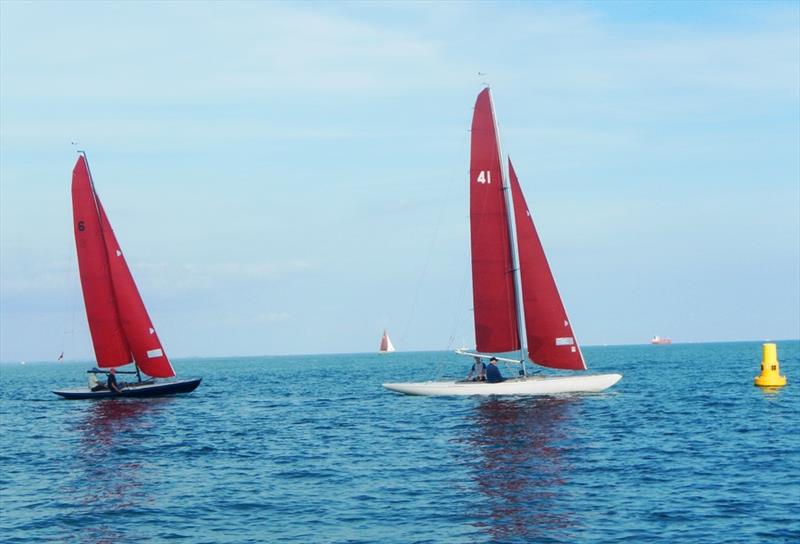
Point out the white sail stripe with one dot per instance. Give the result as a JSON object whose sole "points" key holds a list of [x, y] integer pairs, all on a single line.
{"points": [[153, 353]]}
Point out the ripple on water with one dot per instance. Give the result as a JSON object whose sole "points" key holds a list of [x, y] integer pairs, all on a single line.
{"points": [[672, 453]]}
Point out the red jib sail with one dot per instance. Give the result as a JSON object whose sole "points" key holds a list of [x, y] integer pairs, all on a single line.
{"points": [[104, 271], [551, 342], [492, 275]]}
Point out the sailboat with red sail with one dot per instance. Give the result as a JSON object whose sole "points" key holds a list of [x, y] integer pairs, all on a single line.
{"points": [[517, 307], [386, 345], [121, 329]]}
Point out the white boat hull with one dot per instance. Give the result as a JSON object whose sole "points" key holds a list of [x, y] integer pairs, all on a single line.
{"points": [[532, 385]]}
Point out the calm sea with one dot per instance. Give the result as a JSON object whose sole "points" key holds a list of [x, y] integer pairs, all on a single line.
{"points": [[313, 449]]}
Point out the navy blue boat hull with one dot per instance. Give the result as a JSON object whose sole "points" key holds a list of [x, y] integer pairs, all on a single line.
{"points": [[133, 390]]}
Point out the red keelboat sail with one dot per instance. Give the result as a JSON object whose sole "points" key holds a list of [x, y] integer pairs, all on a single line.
{"points": [[121, 329], [110, 345], [551, 341], [549, 335], [492, 279]]}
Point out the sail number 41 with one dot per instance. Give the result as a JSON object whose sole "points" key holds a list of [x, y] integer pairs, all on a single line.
{"points": [[485, 176]]}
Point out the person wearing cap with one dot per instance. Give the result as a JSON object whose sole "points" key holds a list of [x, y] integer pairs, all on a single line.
{"points": [[112, 381], [492, 372], [478, 371]]}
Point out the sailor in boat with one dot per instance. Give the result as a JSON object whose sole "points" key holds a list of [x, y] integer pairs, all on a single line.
{"points": [[493, 373], [478, 371], [93, 383], [112, 381]]}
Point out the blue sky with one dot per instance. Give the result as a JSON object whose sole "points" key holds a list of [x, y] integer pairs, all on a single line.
{"points": [[292, 178]]}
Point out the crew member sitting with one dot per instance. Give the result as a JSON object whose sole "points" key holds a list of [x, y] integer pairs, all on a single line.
{"points": [[493, 373], [112, 381], [94, 385], [478, 371]]}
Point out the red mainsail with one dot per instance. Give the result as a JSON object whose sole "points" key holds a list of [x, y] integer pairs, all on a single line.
{"points": [[551, 342], [117, 317], [110, 346], [492, 274]]}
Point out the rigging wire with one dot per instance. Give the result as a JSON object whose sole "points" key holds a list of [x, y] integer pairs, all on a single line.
{"points": [[70, 296], [69, 314], [459, 315], [70, 308], [455, 182]]}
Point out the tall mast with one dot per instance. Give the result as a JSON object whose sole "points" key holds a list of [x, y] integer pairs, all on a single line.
{"points": [[512, 236]]}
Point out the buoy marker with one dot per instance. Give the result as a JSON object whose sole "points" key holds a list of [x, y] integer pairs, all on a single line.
{"points": [[770, 369]]}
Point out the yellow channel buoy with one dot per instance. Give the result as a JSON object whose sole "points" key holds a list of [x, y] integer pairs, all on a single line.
{"points": [[770, 369]]}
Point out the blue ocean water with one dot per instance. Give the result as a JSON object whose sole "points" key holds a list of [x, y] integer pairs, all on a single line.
{"points": [[313, 449]]}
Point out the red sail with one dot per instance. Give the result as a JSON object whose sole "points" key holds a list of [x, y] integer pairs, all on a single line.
{"points": [[105, 272], [139, 330], [551, 342], [110, 346], [492, 276]]}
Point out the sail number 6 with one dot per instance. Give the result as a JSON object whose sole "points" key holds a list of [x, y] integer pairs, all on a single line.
{"points": [[485, 176]]}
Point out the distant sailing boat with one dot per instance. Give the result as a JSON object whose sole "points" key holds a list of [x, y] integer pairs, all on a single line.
{"points": [[118, 321], [386, 343], [516, 303]]}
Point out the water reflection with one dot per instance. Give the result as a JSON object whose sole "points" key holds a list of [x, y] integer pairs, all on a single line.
{"points": [[107, 480], [771, 392], [523, 467]]}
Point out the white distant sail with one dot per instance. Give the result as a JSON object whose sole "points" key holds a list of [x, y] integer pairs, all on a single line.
{"points": [[386, 343]]}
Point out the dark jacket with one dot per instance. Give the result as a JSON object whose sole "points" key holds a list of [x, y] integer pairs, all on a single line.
{"points": [[112, 383], [493, 374]]}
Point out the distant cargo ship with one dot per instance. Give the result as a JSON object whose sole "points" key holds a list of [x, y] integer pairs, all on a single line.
{"points": [[660, 341]]}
